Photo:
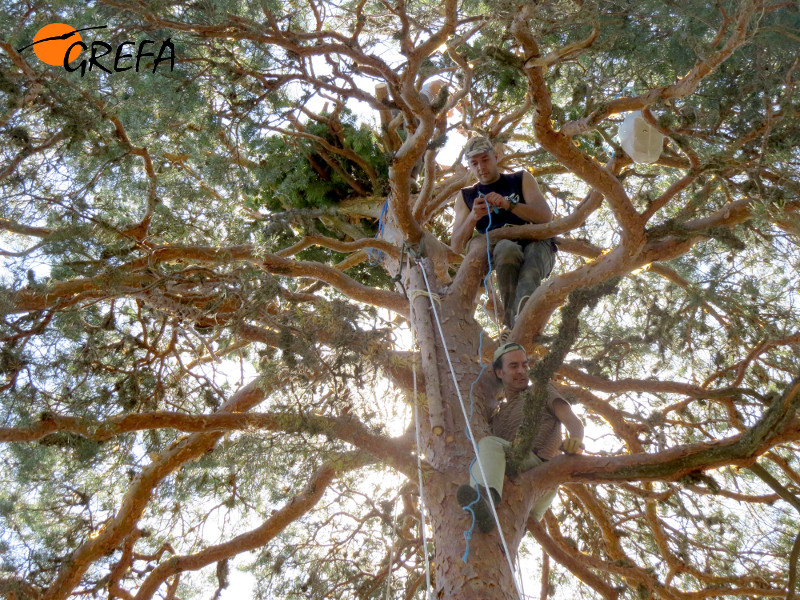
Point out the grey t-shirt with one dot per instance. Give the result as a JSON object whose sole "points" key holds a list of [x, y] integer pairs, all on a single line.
{"points": [[509, 417]]}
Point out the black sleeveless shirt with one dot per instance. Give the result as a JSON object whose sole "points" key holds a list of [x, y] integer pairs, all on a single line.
{"points": [[507, 186]]}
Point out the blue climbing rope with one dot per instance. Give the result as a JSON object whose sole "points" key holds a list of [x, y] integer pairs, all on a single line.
{"points": [[486, 282]]}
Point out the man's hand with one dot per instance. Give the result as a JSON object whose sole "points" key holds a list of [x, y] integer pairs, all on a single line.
{"points": [[572, 445], [495, 199], [480, 208]]}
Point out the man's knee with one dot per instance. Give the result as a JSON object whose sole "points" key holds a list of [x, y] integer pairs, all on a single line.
{"points": [[475, 240], [492, 443], [489, 470], [539, 258], [492, 452], [531, 273], [507, 252]]}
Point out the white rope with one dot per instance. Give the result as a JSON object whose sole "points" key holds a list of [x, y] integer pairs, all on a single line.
{"points": [[417, 293], [471, 436], [423, 530], [524, 596]]}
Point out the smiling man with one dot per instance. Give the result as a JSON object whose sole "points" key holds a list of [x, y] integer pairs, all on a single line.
{"points": [[511, 368], [513, 199]]}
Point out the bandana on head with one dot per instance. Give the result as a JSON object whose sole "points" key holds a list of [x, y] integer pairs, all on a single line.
{"points": [[477, 145], [506, 348]]}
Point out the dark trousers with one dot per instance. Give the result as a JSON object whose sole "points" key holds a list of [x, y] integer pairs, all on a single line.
{"points": [[519, 272]]}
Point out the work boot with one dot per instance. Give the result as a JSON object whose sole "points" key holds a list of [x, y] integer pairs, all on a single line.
{"points": [[467, 497]]}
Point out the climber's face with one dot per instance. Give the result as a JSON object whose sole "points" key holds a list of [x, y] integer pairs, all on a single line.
{"points": [[514, 372], [484, 167]]}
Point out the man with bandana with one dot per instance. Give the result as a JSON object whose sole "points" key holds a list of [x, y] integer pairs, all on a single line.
{"points": [[511, 369]]}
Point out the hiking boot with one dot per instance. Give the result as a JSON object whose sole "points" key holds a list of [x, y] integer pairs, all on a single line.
{"points": [[467, 497]]}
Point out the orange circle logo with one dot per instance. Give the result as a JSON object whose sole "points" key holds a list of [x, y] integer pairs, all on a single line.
{"points": [[52, 41]]}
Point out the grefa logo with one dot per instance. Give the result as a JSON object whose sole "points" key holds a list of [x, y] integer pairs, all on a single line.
{"points": [[59, 44]]}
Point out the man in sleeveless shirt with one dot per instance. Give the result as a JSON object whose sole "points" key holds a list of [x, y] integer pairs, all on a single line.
{"points": [[511, 368], [521, 264]]}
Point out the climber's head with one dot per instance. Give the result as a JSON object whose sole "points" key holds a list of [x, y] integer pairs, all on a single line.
{"points": [[511, 367], [481, 159]]}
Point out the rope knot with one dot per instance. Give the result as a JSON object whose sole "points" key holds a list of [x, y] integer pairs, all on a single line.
{"points": [[435, 297]]}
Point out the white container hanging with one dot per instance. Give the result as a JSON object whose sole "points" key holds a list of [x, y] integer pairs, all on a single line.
{"points": [[640, 140]]}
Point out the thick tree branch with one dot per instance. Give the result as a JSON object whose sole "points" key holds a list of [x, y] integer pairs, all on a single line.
{"points": [[683, 87], [340, 246], [545, 368], [126, 279], [349, 429], [653, 386], [21, 228], [557, 56], [662, 245], [624, 568], [561, 146], [139, 494], [299, 505], [570, 561], [777, 425], [776, 485]]}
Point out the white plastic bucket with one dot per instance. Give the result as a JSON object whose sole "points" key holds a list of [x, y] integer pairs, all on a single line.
{"points": [[640, 140]]}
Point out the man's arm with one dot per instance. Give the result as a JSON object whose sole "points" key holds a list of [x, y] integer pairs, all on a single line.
{"points": [[574, 443], [465, 221], [535, 208]]}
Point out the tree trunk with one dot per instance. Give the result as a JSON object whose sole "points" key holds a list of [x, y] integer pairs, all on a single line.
{"points": [[486, 574]]}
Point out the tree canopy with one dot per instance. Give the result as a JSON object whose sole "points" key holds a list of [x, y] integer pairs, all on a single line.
{"points": [[212, 268]]}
